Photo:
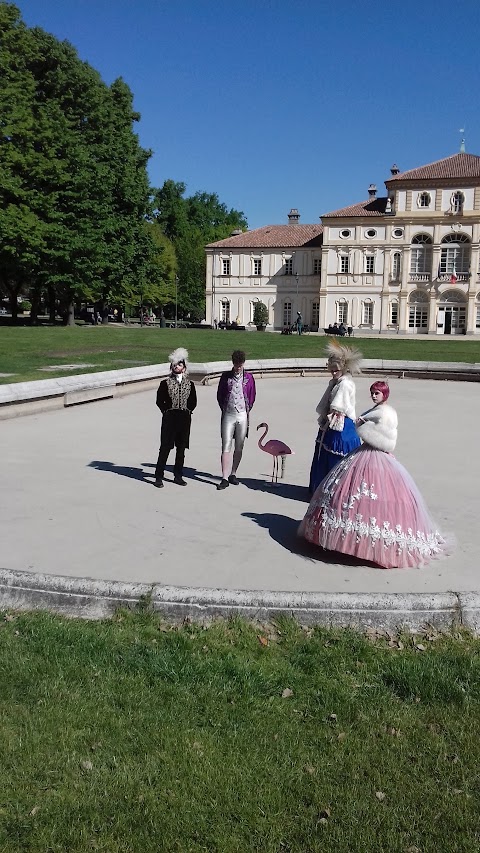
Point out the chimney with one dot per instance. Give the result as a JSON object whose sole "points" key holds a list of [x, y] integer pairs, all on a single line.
{"points": [[372, 191], [236, 232], [293, 216], [394, 169]]}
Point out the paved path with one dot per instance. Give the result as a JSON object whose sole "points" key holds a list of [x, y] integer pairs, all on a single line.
{"points": [[75, 500]]}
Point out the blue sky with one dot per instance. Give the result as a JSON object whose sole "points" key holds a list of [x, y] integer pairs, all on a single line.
{"points": [[274, 104]]}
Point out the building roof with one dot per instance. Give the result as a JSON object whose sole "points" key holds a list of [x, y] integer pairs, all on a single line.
{"points": [[273, 236], [454, 167], [372, 207]]}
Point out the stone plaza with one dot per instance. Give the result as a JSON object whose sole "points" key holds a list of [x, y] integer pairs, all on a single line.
{"points": [[78, 498]]}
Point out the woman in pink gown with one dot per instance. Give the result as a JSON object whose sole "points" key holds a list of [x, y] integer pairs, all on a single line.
{"points": [[368, 506]]}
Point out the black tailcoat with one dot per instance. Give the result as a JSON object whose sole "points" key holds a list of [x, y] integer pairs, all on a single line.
{"points": [[176, 400]]}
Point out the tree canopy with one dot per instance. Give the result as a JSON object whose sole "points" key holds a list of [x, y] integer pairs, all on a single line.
{"points": [[74, 190], [190, 223], [78, 219]]}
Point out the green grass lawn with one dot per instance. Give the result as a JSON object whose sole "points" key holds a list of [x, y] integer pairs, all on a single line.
{"points": [[24, 350], [128, 735]]}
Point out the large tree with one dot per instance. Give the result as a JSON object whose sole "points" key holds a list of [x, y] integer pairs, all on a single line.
{"points": [[190, 223], [74, 191]]}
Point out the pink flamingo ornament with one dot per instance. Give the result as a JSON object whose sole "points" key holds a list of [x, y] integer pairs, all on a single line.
{"points": [[276, 449]]}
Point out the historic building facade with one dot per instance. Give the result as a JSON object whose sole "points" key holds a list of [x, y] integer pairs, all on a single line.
{"points": [[408, 261], [278, 265]]}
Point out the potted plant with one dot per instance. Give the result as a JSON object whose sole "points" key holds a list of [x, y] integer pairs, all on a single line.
{"points": [[260, 316]]}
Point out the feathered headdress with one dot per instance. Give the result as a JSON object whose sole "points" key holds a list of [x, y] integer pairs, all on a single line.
{"points": [[178, 356], [347, 358]]}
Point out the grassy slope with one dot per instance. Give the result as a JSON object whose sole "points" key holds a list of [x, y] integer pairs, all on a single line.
{"points": [[127, 736], [24, 350]]}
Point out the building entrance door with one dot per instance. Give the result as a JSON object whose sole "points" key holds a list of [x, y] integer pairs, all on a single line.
{"points": [[452, 314]]}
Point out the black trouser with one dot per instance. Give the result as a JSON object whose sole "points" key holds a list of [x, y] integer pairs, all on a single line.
{"points": [[162, 461]]}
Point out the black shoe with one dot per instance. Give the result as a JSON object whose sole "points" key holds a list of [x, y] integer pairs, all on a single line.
{"points": [[223, 484], [233, 480], [179, 481], [158, 484]]}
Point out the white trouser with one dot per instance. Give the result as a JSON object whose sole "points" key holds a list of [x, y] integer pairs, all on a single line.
{"points": [[233, 427]]}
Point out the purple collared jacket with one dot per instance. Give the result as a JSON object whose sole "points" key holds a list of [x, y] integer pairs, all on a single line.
{"points": [[225, 387]]}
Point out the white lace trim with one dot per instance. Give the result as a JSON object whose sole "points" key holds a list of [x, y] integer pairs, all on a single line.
{"points": [[362, 491], [425, 544]]}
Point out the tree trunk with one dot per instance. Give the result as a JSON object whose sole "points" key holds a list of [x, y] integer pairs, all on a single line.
{"points": [[70, 315], [36, 294], [13, 293], [52, 306]]}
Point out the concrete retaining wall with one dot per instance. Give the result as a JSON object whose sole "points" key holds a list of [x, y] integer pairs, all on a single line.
{"points": [[23, 398], [89, 599]]}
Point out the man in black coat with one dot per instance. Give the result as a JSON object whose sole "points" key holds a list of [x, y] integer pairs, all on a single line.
{"points": [[176, 399]]}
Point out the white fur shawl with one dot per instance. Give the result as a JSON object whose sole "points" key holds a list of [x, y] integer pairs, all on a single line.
{"points": [[380, 428], [340, 397]]}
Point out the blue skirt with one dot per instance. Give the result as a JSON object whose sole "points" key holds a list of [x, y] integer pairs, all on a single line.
{"points": [[335, 446]]}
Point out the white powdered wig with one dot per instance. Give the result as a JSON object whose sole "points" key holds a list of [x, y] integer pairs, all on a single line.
{"points": [[178, 355], [347, 358]]}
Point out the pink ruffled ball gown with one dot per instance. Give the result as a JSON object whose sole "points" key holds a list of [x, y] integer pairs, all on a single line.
{"points": [[369, 507]]}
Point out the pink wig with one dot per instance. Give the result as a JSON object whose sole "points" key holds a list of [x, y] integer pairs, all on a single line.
{"points": [[382, 387]]}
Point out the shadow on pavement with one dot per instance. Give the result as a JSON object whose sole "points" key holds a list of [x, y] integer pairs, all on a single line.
{"points": [[122, 470], [280, 527], [283, 490], [284, 531], [188, 473], [140, 474]]}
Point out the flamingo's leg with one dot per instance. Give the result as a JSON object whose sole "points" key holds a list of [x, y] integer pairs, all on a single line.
{"points": [[273, 469]]}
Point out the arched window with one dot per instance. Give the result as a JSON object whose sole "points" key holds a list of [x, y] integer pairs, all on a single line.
{"points": [[455, 256], [367, 312], [418, 310], [396, 266], [421, 260], [452, 297], [457, 201], [287, 313], [418, 296], [424, 199], [225, 314], [342, 311], [452, 312]]}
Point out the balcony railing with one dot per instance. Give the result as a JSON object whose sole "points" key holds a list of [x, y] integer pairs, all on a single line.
{"points": [[461, 276], [420, 277]]}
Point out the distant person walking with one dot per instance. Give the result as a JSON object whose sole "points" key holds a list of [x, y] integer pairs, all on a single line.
{"points": [[176, 399], [299, 323]]}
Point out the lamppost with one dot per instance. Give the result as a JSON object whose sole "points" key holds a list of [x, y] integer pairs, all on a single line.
{"points": [[176, 300], [213, 317], [296, 279]]}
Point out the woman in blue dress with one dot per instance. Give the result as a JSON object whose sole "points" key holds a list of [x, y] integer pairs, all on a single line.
{"points": [[337, 436]]}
